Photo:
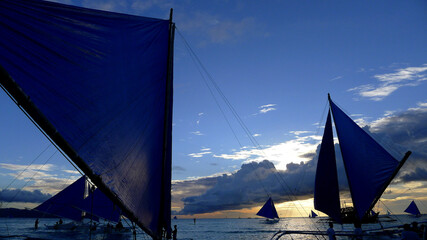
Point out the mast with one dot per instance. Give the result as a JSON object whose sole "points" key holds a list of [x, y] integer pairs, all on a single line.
{"points": [[165, 205]]}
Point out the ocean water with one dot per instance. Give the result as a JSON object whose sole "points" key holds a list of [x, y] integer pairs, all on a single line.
{"points": [[209, 229]]}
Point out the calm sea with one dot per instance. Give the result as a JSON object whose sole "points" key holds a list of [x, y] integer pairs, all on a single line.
{"points": [[209, 229]]}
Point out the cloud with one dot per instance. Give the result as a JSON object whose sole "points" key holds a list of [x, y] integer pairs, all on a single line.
{"points": [[178, 169], [419, 174], [256, 135], [34, 167], [215, 28], [267, 108], [390, 82], [200, 154], [336, 78], [280, 154], [198, 133], [16, 195]]}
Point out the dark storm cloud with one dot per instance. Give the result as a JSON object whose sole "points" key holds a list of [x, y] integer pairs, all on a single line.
{"points": [[16, 195], [248, 187], [419, 174]]}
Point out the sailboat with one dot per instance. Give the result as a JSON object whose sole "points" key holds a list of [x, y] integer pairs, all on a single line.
{"points": [[312, 214], [268, 211], [369, 169], [99, 86], [63, 204], [413, 209]]}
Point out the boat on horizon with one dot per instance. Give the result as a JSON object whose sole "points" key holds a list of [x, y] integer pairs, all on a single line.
{"points": [[268, 210], [98, 85], [312, 214], [413, 209]]}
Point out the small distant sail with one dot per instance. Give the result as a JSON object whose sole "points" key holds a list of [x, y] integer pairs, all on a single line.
{"points": [[99, 205], [268, 210], [326, 192], [413, 209], [62, 203], [388, 213], [313, 214]]}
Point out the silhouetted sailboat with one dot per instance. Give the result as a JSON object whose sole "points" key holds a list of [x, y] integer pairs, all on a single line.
{"points": [[269, 212], [312, 214], [368, 166], [413, 209], [63, 204], [99, 86]]}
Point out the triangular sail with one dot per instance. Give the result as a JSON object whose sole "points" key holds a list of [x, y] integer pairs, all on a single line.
{"points": [[326, 191], [413, 209], [99, 85], [368, 165], [313, 214], [268, 210], [100, 205], [62, 203]]}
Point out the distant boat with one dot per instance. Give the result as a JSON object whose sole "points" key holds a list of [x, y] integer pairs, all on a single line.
{"points": [[312, 214], [413, 209], [99, 85], [269, 212], [369, 169], [62, 204]]}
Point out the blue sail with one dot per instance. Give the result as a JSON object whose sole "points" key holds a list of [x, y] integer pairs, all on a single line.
{"points": [[369, 167], [62, 203], [268, 210], [313, 214], [413, 209], [101, 206], [99, 85], [326, 191]]}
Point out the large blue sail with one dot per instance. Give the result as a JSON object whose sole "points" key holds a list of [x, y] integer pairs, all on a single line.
{"points": [[326, 191], [62, 203], [268, 210], [99, 85], [101, 206], [413, 209], [369, 167]]}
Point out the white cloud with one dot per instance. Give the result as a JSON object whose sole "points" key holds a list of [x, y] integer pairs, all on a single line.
{"points": [[204, 151], [299, 132], [200, 114], [256, 135], [34, 167], [336, 78], [390, 82], [198, 133], [294, 150], [266, 108]]}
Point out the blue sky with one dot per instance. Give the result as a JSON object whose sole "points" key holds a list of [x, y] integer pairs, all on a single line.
{"points": [[275, 61]]}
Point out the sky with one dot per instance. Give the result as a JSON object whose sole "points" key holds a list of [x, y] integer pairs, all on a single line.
{"points": [[275, 61]]}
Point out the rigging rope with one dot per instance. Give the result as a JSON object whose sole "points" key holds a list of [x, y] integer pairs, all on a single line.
{"points": [[254, 142]]}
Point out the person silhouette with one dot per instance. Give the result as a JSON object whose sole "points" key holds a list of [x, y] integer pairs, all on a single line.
{"points": [[36, 224], [174, 232], [331, 232]]}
